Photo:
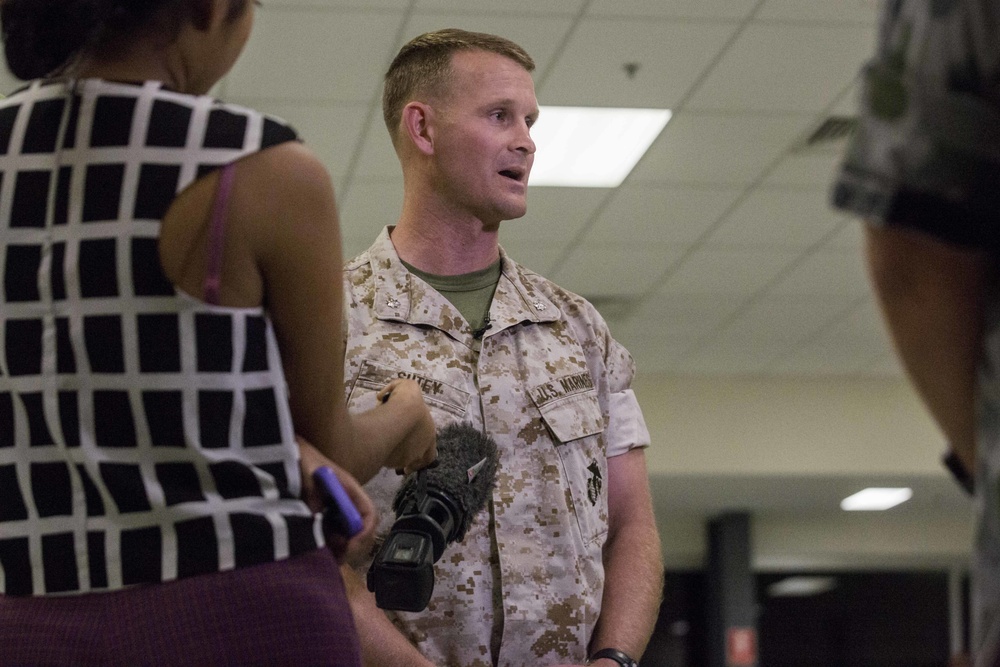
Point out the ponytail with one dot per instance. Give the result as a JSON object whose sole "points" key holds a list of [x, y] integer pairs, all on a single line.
{"points": [[42, 36]]}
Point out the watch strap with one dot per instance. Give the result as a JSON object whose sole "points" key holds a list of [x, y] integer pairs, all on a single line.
{"points": [[959, 472], [621, 658]]}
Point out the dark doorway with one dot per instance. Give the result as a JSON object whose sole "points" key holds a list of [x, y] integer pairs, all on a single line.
{"points": [[863, 619], [866, 619]]}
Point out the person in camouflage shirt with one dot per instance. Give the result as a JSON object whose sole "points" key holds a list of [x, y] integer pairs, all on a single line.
{"points": [[924, 169], [565, 559]]}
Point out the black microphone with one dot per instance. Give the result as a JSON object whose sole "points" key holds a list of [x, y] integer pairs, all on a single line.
{"points": [[487, 324], [434, 507]]}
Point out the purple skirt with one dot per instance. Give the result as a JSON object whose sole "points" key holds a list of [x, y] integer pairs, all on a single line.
{"points": [[292, 612]]}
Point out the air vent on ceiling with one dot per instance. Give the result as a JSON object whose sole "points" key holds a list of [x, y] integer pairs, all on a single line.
{"points": [[831, 134]]}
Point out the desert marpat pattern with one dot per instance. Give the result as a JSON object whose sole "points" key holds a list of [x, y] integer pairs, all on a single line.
{"points": [[525, 585]]}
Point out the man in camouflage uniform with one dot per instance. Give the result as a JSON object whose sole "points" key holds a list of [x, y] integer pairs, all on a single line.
{"points": [[565, 559], [924, 169]]}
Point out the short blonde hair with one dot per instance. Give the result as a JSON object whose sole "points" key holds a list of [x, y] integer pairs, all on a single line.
{"points": [[423, 66]]}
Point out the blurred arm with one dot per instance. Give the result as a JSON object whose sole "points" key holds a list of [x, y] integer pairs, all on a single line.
{"points": [[381, 642], [932, 298]]}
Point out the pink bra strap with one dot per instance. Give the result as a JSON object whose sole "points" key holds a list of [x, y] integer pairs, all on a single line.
{"points": [[213, 273]]}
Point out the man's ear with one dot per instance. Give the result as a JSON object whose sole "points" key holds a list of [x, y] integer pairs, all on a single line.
{"points": [[417, 123]]}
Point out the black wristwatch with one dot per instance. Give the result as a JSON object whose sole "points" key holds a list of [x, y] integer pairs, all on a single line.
{"points": [[613, 654]]}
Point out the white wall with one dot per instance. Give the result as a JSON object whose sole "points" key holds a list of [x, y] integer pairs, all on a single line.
{"points": [[776, 426], [725, 433], [856, 542]]}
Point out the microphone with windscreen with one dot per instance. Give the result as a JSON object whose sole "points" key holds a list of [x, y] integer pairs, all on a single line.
{"points": [[434, 507]]}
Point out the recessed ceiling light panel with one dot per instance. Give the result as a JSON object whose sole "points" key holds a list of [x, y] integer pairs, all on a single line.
{"points": [[875, 498], [591, 147]]}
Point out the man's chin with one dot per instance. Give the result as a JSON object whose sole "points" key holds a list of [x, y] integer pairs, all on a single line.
{"points": [[514, 212], [509, 211]]}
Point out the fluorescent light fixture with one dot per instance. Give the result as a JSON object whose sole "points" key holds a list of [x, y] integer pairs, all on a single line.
{"points": [[591, 147], [875, 499], [801, 586]]}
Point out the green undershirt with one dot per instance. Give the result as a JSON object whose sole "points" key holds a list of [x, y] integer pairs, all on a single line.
{"points": [[470, 293]]}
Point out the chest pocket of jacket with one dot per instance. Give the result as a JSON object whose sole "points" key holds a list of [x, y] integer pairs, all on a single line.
{"points": [[446, 403], [577, 425]]}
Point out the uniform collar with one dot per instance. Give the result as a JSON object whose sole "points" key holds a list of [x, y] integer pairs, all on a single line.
{"points": [[401, 296]]}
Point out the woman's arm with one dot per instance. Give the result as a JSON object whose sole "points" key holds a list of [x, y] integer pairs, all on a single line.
{"points": [[932, 295], [282, 250], [295, 236], [284, 202]]}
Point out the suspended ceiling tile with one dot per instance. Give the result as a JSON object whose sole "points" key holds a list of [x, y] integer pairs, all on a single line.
{"points": [[334, 5], [652, 355], [315, 123], [555, 215], [520, 8], [798, 68], [377, 158], [684, 316], [854, 344], [614, 270], [672, 214], [840, 11], [728, 357], [849, 236], [670, 55], [368, 206], [847, 103], [826, 273], [805, 168], [886, 365], [540, 36], [718, 148], [788, 319], [862, 325], [539, 257], [777, 217], [315, 54], [704, 9], [819, 359], [712, 271]]}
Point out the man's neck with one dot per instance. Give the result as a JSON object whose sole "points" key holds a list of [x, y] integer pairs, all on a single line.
{"points": [[445, 246]]}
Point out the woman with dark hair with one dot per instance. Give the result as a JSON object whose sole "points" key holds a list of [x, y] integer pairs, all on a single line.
{"points": [[170, 359]]}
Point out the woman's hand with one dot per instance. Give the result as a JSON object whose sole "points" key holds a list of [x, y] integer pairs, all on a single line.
{"points": [[358, 548], [418, 447]]}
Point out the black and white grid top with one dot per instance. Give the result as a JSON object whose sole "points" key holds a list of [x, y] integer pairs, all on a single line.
{"points": [[144, 434]]}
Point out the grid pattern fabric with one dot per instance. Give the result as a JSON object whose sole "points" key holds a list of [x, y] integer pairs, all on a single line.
{"points": [[144, 434]]}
